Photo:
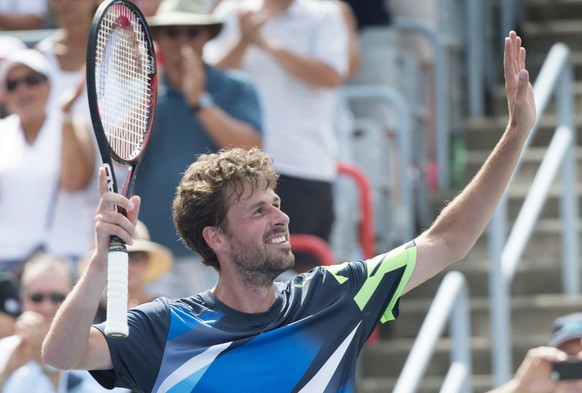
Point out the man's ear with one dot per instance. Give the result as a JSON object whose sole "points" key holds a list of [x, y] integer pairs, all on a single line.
{"points": [[213, 237]]}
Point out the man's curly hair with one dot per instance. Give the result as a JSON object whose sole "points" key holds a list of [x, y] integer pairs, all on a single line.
{"points": [[207, 189]]}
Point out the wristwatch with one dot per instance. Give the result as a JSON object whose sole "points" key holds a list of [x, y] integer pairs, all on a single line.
{"points": [[205, 101]]}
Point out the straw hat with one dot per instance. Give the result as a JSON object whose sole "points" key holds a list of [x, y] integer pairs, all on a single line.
{"points": [[160, 258], [184, 13]]}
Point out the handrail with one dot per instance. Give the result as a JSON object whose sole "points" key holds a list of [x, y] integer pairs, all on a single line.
{"points": [[367, 220], [441, 83], [451, 302], [560, 158], [313, 245], [403, 130]]}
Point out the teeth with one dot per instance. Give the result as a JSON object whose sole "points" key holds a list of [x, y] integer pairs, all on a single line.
{"points": [[278, 240]]}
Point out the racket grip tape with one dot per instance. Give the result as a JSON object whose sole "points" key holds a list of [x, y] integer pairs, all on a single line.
{"points": [[117, 272]]}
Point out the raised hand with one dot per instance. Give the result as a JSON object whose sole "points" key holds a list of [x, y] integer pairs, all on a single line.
{"points": [[519, 91], [194, 80]]}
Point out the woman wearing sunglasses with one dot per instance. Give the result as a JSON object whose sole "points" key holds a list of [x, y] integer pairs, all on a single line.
{"points": [[45, 158]]}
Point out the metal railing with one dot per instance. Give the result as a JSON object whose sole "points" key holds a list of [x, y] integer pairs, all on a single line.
{"points": [[441, 83], [393, 97], [451, 303], [506, 251]]}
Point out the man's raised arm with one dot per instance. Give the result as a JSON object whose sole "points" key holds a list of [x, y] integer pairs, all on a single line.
{"points": [[71, 342], [460, 224]]}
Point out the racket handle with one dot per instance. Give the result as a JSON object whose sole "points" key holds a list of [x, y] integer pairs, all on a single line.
{"points": [[116, 324]]}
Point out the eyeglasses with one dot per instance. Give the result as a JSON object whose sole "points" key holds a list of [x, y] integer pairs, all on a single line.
{"points": [[55, 297], [175, 32], [28, 79]]}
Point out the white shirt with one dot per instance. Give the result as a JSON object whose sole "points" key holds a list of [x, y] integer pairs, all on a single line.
{"points": [[298, 118], [29, 175]]}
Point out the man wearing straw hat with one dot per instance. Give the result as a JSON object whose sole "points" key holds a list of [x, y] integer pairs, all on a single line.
{"points": [[199, 109]]}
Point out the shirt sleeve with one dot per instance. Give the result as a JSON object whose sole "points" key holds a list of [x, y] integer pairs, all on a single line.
{"points": [[330, 43], [137, 357], [376, 284], [226, 12], [245, 104]]}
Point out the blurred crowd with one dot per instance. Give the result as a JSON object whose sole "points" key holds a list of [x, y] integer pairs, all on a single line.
{"points": [[249, 73]]}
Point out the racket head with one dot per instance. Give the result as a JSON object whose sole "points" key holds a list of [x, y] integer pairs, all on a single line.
{"points": [[121, 81]]}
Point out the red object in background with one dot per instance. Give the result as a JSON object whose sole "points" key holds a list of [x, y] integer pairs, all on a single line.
{"points": [[321, 249]]}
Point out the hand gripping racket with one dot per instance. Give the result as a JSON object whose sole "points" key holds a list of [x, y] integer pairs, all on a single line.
{"points": [[122, 87]]}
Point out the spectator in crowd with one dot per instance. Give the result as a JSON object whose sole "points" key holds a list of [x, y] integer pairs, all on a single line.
{"points": [[66, 49], [45, 283], [22, 15], [8, 45], [249, 333], [535, 372], [148, 261], [43, 154], [199, 109], [9, 303], [148, 7], [296, 52]]}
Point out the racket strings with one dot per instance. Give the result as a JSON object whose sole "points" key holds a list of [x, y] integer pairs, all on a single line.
{"points": [[124, 92]]}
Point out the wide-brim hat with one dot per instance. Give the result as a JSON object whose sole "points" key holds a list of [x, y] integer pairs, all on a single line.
{"points": [[9, 45], [566, 328], [184, 13], [160, 258]]}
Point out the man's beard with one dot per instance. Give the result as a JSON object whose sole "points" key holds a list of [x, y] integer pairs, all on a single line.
{"points": [[260, 266]]}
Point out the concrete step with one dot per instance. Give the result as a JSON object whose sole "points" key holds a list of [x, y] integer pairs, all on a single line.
{"points": [[533, 277], [387, 358], [483, 134], [525, 173], [430, 384], [539, 36], [543, 10], [544, 243], [531, 314], [499, 103]]}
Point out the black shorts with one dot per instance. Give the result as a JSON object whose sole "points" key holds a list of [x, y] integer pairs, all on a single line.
{"points": [[309, 205]]}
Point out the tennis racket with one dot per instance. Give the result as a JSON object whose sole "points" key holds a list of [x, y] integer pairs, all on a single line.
{"points": [[122, 87]]}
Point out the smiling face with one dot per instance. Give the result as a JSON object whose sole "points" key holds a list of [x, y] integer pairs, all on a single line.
{"points": [[257, 236]]}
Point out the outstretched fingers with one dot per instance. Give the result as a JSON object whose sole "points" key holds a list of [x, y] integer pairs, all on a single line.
{"points": [[518, 88], [514, 56]]}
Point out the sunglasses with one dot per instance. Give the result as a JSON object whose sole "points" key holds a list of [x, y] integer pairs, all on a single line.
{"points": [[55, 297], [28, 79], [175, 32]]}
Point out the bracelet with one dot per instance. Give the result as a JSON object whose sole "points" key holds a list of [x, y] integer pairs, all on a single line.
{"points": [[204, 102]]}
